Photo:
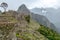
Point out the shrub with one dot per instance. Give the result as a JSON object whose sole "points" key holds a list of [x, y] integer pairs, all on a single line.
{"points": [[27, 18], [17, 34]]}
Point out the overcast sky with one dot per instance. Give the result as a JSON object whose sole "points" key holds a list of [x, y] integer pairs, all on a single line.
{"points": [[14, 4]]}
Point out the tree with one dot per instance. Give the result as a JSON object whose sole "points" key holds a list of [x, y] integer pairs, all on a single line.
{"points": [[4, 6], [0, 11]]}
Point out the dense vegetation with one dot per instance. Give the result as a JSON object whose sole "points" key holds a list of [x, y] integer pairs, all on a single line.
{"points": [[49, 33], [27, 18]]}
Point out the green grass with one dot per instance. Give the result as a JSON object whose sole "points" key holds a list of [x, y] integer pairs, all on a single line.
{"points": [[49, 33]]}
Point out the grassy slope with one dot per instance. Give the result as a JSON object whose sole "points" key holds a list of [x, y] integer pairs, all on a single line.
{"points": [[25, 30], [31, 33], [48, 33]]}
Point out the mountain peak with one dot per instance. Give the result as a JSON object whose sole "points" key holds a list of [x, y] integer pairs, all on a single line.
{"points": [[23, 6], [23, 9]]}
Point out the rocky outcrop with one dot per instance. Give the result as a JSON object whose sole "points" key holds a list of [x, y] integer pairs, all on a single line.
{"points": [[23, 10]]}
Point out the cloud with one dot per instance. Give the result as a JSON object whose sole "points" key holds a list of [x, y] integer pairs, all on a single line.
{"points": [[42, 3], [14, 4], [46, 3]]}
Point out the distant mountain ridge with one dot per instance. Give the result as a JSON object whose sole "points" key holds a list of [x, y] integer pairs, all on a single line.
{"points": [[44, 21], [52, 14]]}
